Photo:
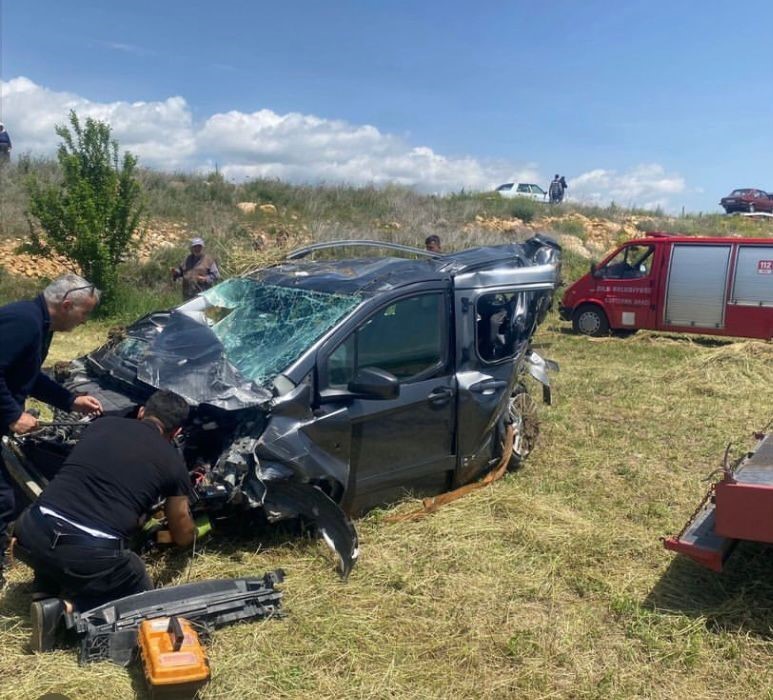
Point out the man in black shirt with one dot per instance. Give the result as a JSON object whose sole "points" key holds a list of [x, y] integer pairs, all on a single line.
{"points": [[75, 535]]}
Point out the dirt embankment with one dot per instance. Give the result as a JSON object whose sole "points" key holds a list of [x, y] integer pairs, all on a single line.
{"points": [[153, 236], [585, 236]]}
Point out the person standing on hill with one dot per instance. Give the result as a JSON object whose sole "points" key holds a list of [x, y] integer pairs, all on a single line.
{"points": [[26, 328], [564, 187], [555, 190], [198, 271], [5, 143]]}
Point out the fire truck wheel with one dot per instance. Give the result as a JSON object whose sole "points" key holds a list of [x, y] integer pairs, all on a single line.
{"points": [[589, 319]]}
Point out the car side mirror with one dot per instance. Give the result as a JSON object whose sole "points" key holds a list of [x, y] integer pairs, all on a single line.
{"points": [[594, 270], [374, 383]]}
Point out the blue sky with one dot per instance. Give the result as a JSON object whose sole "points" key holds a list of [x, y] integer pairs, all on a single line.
{"points": [[641, 102]]}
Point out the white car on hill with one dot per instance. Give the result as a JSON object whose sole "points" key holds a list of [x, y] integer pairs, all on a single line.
{"points": [[522, 189]]}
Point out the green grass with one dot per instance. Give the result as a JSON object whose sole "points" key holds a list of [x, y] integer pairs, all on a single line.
{"points": [[551, 583]]}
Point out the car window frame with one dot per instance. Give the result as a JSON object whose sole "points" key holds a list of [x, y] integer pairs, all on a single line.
{"points": [[518, 348], [440, 368]]}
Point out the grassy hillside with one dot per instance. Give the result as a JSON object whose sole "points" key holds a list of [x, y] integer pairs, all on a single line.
{"points": [[275, 216], [549, 584]]}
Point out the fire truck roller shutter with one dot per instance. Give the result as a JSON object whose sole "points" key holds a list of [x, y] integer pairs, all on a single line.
{"points": [[753, 285], [697, 280]]}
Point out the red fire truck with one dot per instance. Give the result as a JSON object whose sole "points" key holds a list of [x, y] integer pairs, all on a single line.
{"points": [[687, 284]]}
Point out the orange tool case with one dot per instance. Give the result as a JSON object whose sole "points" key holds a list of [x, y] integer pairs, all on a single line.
{"points": [[172, 657]]}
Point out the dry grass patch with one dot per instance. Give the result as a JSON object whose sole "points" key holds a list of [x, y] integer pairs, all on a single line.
{"points": [[550, 584]]}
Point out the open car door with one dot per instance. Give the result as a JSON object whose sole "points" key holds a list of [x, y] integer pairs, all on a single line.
{"points": [[496, 315]]}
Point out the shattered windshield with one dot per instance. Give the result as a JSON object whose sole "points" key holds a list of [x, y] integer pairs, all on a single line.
{"points": [[264, 328], [225, 346]]}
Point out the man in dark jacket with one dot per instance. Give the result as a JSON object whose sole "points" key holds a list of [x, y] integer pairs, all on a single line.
{"points": [[5, 143], [75, 535], [198, 271], [555, 190], [26, 328]]}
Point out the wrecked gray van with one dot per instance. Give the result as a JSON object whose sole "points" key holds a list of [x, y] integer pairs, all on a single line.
{"points": [[325, 385]]}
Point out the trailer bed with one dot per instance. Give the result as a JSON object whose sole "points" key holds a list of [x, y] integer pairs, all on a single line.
{"points": [[738, 507]]}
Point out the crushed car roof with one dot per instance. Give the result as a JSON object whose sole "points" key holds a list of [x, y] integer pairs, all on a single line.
{"points": [[371, 275]]}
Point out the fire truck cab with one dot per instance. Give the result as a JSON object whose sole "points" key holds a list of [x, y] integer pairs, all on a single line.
{"points": [[686, 284]]}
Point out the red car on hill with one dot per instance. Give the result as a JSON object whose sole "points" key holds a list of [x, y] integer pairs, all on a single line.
{"points": [[748, 200]]}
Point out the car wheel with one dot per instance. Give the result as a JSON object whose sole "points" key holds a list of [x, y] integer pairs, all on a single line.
{"points": [[589, 319], [522, 415]]}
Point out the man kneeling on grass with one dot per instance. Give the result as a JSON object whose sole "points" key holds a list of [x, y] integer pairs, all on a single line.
{"points": [[75, 536]]}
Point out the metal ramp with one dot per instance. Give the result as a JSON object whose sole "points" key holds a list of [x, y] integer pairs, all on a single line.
{"points": [[699, 539]]}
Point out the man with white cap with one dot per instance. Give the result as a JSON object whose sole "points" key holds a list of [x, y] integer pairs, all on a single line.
{"points": [[198, 271]]}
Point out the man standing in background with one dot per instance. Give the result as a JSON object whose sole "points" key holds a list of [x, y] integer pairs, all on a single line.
{"points": [[198, 271], [5, 144], [26, 329]]}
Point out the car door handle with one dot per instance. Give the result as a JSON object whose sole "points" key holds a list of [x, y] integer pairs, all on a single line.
{"points": [[440, 395], [488, 386]]}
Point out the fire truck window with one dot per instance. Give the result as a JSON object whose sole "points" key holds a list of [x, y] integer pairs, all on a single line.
{"points": [[632, 262]]}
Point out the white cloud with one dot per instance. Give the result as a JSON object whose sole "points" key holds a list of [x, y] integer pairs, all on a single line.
{"points": [[646, 186], [160, 133], [297, 147]]}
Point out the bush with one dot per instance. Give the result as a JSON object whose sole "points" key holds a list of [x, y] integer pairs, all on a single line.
{"points": [[91, 215], [525, 209]]}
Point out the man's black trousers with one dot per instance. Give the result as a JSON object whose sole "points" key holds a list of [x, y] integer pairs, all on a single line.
{"points": [[70, 564], [7, 507]]}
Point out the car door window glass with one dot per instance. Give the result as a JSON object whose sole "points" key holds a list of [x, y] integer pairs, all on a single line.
{"points": [[340, 364], [523, 188], [503, 321], [405, 338]]}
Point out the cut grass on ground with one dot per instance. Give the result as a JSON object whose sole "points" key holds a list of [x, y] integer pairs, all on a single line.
{"points": [[550, 584]]}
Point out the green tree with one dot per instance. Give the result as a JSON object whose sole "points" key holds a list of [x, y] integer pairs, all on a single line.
{"points": [[92, 213]]}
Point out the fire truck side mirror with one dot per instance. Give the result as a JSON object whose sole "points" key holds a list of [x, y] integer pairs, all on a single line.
{"points": [[594, 270]]}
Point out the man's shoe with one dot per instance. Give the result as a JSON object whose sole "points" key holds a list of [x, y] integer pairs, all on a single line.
{"points": [[46, 616]]}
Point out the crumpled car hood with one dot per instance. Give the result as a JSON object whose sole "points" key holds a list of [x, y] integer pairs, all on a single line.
{"points": [[174, 352]]}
